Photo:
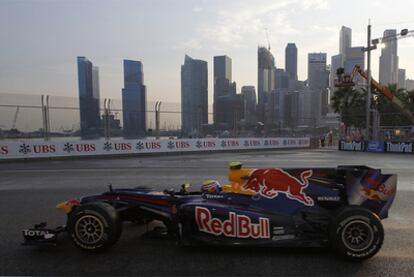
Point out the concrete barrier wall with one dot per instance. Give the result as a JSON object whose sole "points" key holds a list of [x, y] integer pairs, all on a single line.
{"points": [[50, 149]]}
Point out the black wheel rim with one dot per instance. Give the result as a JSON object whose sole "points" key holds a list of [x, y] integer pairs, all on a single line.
{"points": [[357, 235], [89, 229]]}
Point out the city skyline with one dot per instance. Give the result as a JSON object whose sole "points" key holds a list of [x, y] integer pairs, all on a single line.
{"points": [[213, 32]]}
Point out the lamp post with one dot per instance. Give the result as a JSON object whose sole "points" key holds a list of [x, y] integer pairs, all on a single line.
{"points": [[404, 33], [157, 119]]}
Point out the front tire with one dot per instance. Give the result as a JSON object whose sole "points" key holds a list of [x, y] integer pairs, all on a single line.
{"points": [[94, 227], [356, 233]]}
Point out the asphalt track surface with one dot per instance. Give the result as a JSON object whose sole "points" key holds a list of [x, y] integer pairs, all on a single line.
{"points": [[29, 192]]}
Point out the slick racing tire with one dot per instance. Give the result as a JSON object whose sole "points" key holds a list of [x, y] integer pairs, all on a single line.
{"points": [[94, 227], [356, 233]]}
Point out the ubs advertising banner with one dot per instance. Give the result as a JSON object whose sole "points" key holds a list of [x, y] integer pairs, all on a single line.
{"points": [[399, 147], [50, 149]]}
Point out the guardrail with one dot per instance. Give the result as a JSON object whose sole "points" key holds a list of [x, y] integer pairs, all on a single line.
{"points": [[51, 149], [377, 146]]}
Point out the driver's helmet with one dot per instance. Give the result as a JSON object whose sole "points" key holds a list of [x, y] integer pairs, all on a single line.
{"points": [[211, 186]]}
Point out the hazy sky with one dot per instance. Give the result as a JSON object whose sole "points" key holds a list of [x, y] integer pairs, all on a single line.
{"points": [[40, 40]]}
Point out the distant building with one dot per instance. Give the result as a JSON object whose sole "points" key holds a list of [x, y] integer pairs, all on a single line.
{"points": [[291, 107], [401, 79], [134, 100], [354, 56], [88, 82], [317, 71], [291, 61], [282, 79], [409, 84], [318, 82], [388, 68], [345, 41], [336, 62], [266, 87], [194, 96], [232, 110], [223, 87], [249, 97]]}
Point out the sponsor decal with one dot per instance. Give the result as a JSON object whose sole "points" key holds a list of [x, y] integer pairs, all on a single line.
{"points": [[35, 233], [352, 146], [213, 196], [79, 147], [37, 149], [230, 143], [122, 146], [375, 146], [237, 226], [278, 230], [283, 237], [139, 145], [107, 146], [270, 182], [328, 198], [68, 147], [152, 145], [249, 143], [4, 150], [24, 148], [400, 147]]}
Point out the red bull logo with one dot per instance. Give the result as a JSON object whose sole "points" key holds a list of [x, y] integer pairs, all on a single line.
{"points": [[270, 182], [237, 226]]}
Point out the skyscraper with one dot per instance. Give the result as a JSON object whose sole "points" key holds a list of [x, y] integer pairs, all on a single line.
{"points": [[291, 61], [249, 96], [354, 56], [388, 68], [266, 86], [223, 87], [317, 70], [194, 96], [336, 62], [401, 78], [134, 100], [409, 84], [345, 41], [318, 82], [88, 82]]}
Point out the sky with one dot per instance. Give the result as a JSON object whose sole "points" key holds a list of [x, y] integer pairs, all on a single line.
{"points": [[40, 39]]}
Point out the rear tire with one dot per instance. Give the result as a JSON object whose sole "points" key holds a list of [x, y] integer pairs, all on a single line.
{"points": [[356, 233], [94, 227]]}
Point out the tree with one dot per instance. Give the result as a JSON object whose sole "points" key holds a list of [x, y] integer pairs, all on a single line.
{"points": [[390, 114], [350, 104]]}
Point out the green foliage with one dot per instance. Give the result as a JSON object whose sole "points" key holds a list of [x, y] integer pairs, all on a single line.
{"points": [[350, 103]]}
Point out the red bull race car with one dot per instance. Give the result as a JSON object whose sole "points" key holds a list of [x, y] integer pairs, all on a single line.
{"points": [[339, 207]]}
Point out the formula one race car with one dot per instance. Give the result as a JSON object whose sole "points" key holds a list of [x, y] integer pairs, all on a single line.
{"points": [[341, 207]]}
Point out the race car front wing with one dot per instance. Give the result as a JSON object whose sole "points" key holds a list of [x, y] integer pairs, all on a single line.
{"points": [[39, 234]]}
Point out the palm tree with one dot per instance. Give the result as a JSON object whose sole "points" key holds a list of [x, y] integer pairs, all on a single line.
{"points": [[350, 104], [391, 115]]}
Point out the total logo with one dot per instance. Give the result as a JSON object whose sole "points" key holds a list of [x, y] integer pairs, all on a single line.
{"points": [[237, 226], [37, 233]]}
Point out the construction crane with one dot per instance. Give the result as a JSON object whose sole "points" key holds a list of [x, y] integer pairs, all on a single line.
{"points": [[267, 38], [347, 80]]}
